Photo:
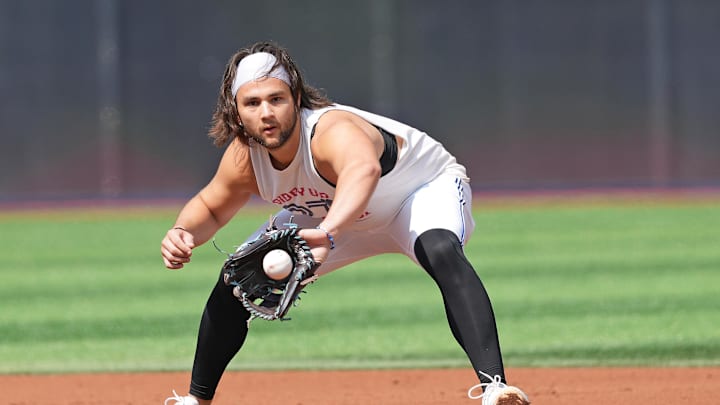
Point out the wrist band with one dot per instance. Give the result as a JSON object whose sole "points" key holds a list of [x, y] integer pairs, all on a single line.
{"points": [[180, 228], [330, 237]]}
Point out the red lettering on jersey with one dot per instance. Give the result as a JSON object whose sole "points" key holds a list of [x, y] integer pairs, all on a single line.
{"points": [[295, 192], [298, 191]]}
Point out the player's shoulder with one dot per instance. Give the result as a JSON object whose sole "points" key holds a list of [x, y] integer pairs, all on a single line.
{"points": [[334, 116], [236, 167], [337, 119]]}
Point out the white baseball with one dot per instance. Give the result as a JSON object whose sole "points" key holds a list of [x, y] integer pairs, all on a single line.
{"points": [[277, 264]]}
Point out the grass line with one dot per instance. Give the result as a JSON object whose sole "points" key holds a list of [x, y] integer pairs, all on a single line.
{"points": [[579, 285]]}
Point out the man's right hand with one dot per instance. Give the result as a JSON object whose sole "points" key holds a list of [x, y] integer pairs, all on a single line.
{"points": [[176, 248]]}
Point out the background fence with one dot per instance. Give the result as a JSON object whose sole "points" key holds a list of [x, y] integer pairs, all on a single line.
{"points": [[112, 98]]}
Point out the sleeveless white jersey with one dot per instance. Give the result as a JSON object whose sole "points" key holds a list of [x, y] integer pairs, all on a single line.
{"points": [[300, 189]]}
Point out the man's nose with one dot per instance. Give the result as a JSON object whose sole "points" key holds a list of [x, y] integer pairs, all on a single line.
{"points": [[266, 109]]}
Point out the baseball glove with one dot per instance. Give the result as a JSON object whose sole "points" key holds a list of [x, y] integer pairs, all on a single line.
{"points": [[261, 295]]}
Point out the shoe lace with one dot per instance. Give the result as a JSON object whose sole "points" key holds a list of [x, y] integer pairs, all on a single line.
{"points": [[495, 383], [177, 398]]}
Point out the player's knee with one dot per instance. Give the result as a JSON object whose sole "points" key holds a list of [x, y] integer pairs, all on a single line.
{"points": [[436, 241], [440, 249]]}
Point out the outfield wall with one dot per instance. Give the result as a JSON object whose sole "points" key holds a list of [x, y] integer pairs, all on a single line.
{"points": [[111, 99]]}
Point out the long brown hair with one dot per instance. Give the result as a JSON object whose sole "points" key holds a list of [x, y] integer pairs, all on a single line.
{"points": [[225, 123]]}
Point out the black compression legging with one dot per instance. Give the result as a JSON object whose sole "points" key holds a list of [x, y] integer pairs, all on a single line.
{"points": [[223, 328], [467, 304]]}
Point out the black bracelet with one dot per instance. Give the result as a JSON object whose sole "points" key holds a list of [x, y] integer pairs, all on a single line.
{"points": [[180, 228], [330, 237]]}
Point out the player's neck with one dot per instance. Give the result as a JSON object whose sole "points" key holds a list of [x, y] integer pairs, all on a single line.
{"points": [[283, 156]]}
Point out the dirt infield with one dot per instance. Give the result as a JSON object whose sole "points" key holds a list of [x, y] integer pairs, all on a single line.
{"points": [[556, 386]]}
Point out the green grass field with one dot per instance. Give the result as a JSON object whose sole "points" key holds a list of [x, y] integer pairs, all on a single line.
{"points": [[598, 284]]}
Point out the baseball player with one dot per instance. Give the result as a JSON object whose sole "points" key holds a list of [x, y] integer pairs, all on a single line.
{"points": [[357, 184]]}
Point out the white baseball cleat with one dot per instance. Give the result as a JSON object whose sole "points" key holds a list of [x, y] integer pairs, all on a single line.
{"points": [[181, 400], [498, 393]]}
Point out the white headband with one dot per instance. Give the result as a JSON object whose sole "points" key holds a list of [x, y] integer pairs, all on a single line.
{"points": [[257, 66]]}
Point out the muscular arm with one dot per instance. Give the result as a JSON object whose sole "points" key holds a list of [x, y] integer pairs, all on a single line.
{"points": [[346, 150], [212, 208]]}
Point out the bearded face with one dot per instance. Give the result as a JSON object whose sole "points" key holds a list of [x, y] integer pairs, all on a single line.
{"points": [[273, 133], [267, 111]]}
